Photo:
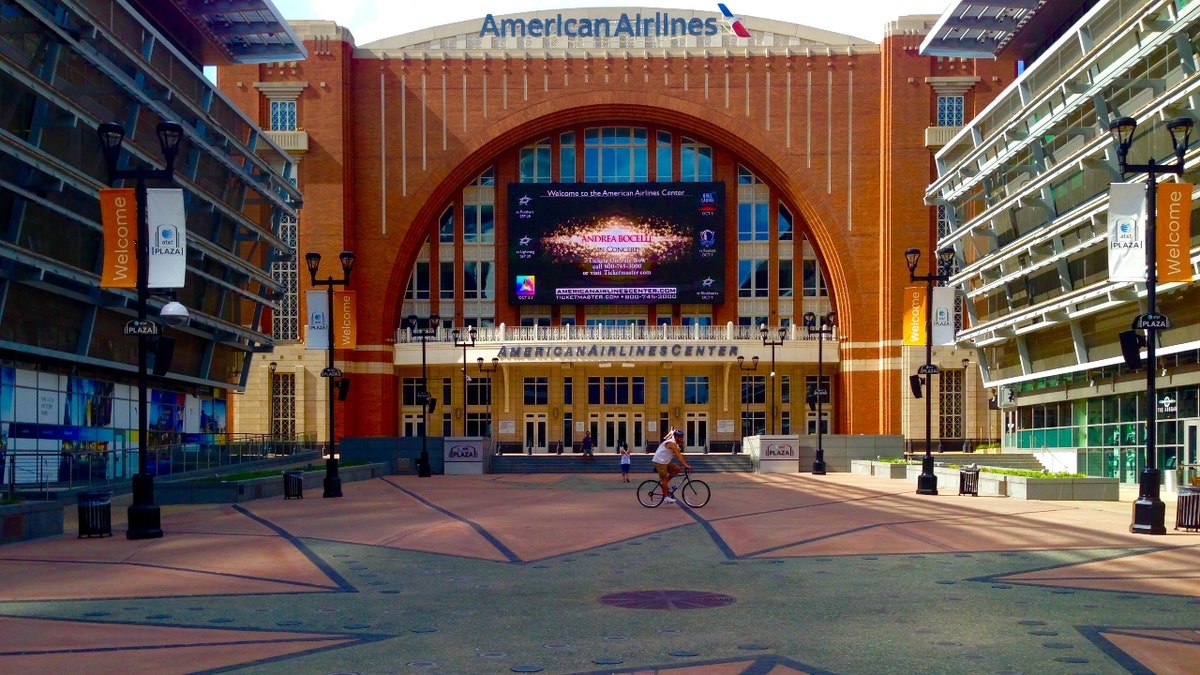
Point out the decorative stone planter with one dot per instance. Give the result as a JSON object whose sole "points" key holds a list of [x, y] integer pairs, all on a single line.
{"points": [[30, 520], [889, 470], [1090, 488], [861, 467], [993, 484]]}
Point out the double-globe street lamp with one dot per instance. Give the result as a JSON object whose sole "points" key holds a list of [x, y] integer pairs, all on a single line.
{"points": [[145, 517], [489, 369], [464, 342], [927, 481], [424, 328], [820, 326], [768, 342], [337, 383], [1149, 512]]}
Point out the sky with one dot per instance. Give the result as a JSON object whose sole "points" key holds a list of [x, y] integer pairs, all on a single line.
{"points": [[371, 20]]}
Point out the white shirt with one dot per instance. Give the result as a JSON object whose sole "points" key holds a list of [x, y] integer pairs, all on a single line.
{"points": [[664, 454]]}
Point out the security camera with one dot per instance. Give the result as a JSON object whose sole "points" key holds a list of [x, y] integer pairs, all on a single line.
{"points": [[174, 313]]}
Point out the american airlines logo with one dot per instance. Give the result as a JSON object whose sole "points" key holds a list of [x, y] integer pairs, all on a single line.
{"points": [[733, 23]]}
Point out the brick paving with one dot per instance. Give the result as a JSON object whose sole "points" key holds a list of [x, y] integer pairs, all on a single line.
{"points": [[569, 574]]}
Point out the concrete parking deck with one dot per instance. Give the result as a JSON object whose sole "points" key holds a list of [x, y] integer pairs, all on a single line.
{"points": [[569, 574]]}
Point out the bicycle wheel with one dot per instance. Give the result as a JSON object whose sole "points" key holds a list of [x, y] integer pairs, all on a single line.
{"points": [[650, 494], [695, 493]]}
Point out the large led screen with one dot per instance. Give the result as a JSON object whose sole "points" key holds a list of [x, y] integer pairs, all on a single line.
{"points": [[616, 243]]}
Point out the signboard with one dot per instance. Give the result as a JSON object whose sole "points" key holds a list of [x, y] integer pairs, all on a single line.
{"points": [[1156, 321], [135, 327], [463, 455], [167, 229]]}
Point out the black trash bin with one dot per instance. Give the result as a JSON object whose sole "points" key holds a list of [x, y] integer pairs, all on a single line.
{"points": [[293, 485], [95, 513], [1187, 511], [968, 481]]}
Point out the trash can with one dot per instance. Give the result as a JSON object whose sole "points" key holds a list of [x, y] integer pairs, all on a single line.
{"points": [[1187, 510], [293, 485], [968, 481], [95, 513]]}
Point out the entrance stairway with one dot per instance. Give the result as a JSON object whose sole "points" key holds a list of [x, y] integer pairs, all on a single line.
{"points": [[610, 463], [1006, 460]]}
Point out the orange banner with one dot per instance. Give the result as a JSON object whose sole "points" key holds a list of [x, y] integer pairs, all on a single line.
{"points": [[118, 215], [1173, 232], [345, 320], [914, 316]]}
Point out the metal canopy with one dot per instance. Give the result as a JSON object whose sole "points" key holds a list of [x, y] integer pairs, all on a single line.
{"points": [[245, 31], [978, 28]]}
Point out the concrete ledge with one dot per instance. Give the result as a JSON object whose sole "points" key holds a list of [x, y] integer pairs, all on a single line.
{"points": [[1091, 488], [30, 520], [233, 492]]}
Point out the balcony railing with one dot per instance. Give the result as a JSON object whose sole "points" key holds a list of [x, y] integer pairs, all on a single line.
{"points": [[631, 333]]}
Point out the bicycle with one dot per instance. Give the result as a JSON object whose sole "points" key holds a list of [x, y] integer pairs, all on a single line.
{"points": [[694, 493]]}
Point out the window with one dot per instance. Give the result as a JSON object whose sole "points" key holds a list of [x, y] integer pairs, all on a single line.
{"points": [[695, 161], [283, 116], [479, 224], [615, 155], [418, 284], [568, 395], [814, 281], [754, 423], [695, 389], [537, 390], [283, 404], [535, 162], [566, 158], [479, 280], [785, 278], [446, 281], [286, 319], [753, 279], [664, 390], [754, 389], [663, 157], [785, 224], [479, 391], [408, 391], [950, 111], [753, 224], [446, 226], [616, 390]]}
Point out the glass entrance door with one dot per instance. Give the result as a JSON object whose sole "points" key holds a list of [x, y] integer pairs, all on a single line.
{"points": [[616, 428], [696, 426], [535, 432]]}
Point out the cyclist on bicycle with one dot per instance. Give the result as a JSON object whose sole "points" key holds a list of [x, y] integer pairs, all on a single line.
{"points": [[668, 451]]}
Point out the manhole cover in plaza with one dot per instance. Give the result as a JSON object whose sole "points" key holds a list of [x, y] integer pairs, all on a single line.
{"points": [[669, 599]]}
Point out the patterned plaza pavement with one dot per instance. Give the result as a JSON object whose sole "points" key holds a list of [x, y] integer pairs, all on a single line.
{"points": [[567, 573]]}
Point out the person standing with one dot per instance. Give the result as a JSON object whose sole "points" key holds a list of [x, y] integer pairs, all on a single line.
{"points": [[587, 446], [668, 451], [626, 461]]}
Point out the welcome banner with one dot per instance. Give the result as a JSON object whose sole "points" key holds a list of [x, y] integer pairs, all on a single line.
{"points": [[914, 316], [118, 216], [1173, 232], [1126, 232], [345, 320], [168, 238]]}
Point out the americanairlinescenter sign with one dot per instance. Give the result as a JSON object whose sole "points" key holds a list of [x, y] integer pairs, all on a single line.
{"points": [[565, 352]]}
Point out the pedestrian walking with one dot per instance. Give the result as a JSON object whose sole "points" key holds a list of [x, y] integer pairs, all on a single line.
{"points": [[588, 455]]}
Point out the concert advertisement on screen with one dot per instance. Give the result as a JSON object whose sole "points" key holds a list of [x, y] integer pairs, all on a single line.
{"points": [[609, 243]]}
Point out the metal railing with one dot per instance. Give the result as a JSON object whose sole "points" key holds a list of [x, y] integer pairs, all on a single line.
{"points": [[56, 470]]}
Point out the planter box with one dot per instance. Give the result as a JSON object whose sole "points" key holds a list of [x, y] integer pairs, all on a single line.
{"points": [[1064, 489], [993, 484], [861, 467], [889, 470], [30, 520], [232, 492]]}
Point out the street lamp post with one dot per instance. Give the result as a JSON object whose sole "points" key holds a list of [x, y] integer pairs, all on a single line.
{"points": [[333, 482], [490, 368], [1149, 512], [145, 517], [424, 328], [768, 342], [820, 327], [469, 341], [927, 481]]}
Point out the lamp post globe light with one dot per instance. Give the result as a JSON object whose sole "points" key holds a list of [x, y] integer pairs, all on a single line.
{"points": [[464, 342], [337, 383], [424, 328], [927, 481], [1149, 512], [820, 327], [768, 342], [145, 517]]}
